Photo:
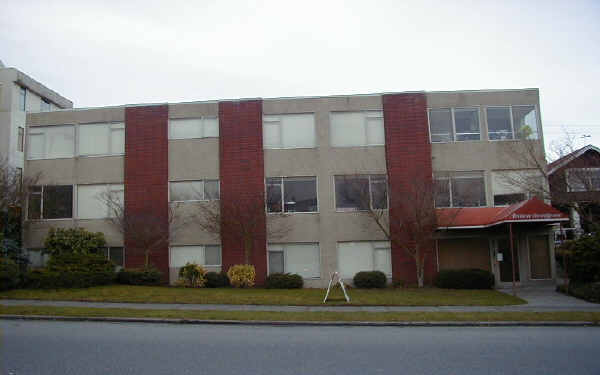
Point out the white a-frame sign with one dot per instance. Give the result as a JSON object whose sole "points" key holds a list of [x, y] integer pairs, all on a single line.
{"points": [[336, 275]]}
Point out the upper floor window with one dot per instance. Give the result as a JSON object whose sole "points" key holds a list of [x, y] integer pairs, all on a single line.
{"points": [[102, 139], [516, 185], [292, 194], [22, 98], [94, 201], [198, 190], [357, 129], [361, 192], [511, 122], [50, 202], [454, 124], [51, 142], [460, 189], [20, 139], [186, 128], [44, 105], [583, 179], [289, 131]]}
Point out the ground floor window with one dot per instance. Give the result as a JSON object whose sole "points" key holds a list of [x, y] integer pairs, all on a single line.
{"points": [[37, 258], [116, 255], [354, 257], [205, 255], [301, 258]]}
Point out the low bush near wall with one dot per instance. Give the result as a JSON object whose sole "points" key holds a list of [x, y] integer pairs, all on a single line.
{"points": [[139, 276], [9, 273], [589, 292], [284, 281], [216, 280], [192, 275], [464, 279], [582, 258], [73, 240], [242, 275], [370, 279], [72, 271]]}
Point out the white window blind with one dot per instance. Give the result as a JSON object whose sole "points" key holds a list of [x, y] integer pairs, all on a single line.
{"points": [[92, 200], [202, 127], [357, 129], [202, 255], [289, 131], [354, 257], [303, 259], [199, 190], [51, 142]]}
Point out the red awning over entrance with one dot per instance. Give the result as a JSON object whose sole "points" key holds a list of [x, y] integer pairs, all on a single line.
{"points": [[529, 211]]}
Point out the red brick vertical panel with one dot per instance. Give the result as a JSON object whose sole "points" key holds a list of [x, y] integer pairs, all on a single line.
{"points": [[242, 174], [147, 179], [408, 154]]}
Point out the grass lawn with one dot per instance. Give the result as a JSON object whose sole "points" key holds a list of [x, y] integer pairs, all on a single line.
{"points": [[296, 297], [304, 316]]}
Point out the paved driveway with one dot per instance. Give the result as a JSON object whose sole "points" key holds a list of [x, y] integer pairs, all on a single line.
{"points": [[548, 297]]}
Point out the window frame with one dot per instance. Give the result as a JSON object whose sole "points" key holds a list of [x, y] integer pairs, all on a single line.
{"points": [[35, 130], [283, 250], [453, 136], [203, 246], [204, 180], [366, 118], [111, 127], [108, 248], [41, 193], [450, 176], [45, 105], [281, 130], [109, 187], [515, 136], [283, 196], [387, 187], [526, 194], [203, 127], [374, 248], [588, 179]]}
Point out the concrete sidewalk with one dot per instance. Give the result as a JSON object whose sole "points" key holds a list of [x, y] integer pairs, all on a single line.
{"points": [[540, 299]]}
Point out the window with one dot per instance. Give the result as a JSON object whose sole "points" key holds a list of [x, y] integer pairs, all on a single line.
{"points": [[515, 186], [454, 124], [187, 128], [116, 255], [207, 255], [354, 257], [583, 179], [19, 177], [360, 192], [460, 189], [51, 142], [37, 258], [303, 259], [357, 129], [200, 190], [22, 98], [292, 194], [44, 105], [510, 122], [50, 202], [20, 139], [289, 131], [102, 139], [92, 200]]}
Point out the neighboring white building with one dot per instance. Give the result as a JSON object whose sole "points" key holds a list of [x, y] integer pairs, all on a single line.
{"points": [[20, 94]]}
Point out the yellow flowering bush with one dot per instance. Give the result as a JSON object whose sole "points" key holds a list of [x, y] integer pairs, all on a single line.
{"points": [[192, 275], [242, 275]]}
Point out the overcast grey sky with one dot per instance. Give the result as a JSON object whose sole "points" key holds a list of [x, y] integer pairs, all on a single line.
{"points": [[116, 52]]}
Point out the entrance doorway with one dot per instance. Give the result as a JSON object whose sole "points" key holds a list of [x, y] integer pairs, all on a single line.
{"points": [[505, 266], [539, 258]]}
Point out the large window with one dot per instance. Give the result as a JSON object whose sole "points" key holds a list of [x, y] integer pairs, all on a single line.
{"points": [[354, 257], [207, 255], [202, 127], [515, 186], [289, 131], [51, 142], [460, 189], [92, 200], [102, 139], [198, 190], [292, 194], [583, 179], [357, 129], [360, 192], [510, 122], [50, 202], [303, 259], [454, 124]]}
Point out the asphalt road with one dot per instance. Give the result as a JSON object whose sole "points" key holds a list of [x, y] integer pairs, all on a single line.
{"points": [[37, 347]]}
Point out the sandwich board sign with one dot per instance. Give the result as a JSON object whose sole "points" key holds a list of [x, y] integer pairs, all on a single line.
{"points": [[338, 279]]}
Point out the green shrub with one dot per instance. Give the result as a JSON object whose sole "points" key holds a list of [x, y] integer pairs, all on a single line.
{"points": [[471, 278], [73, 240], [10, 276], [72, 271], [140, 276], [192, 275], [242, 275], [589, 291], [284, 281], [370, 279], [216, 280], [583, 259]]}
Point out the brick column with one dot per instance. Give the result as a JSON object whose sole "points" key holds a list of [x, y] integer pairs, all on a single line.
{"points": [[408, 154], [147, 181], [242, 174]]}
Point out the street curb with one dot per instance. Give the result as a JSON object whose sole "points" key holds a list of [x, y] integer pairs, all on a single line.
{"points": [[305, 323]]}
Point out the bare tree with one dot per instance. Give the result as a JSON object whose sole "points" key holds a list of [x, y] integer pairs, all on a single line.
{"points": [[14, 188]]}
